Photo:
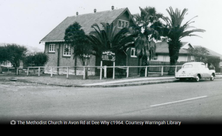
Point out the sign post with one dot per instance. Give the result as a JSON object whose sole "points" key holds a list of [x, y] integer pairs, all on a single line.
{"points": [[107, 56], [101, 69]]}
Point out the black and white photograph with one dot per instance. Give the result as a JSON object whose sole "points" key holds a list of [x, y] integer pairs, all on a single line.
{"points": [[110, 62]]}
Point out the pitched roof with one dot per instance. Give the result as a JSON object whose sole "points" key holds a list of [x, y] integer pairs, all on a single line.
{"points": [[211, 52], [85, 20], [162, 48]]}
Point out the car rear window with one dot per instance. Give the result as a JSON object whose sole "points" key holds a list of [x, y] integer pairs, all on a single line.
{"points": [[188, 66]]}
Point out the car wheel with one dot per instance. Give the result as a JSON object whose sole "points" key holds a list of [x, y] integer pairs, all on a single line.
{"points": [[197, 78], [212, 77]]}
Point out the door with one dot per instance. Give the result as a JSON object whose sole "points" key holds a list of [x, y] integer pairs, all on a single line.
{"points": [[204, 71]]}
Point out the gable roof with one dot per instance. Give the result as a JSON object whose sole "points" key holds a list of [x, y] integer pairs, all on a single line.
{"points": [[162, 48], [85, 20], [211, 52]]}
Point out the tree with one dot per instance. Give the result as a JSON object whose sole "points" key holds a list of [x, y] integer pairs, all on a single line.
{"points": [[109, 38], [213, 61], [199, 53], [76, 36], [82, 49], [38, 59], [16, 54], [175, 31], [3, 56], [202, 54], [148, 28]]}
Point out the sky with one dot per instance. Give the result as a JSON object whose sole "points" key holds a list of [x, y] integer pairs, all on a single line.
{"points": [[26, 22]]}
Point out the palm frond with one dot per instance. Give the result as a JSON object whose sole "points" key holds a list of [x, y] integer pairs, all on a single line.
{"points": [[189, 33], [109, 38]]}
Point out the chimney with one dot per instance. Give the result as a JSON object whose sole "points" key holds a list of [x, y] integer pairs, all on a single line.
{"points": [[94, 10], [112, 7], [77, 13]]}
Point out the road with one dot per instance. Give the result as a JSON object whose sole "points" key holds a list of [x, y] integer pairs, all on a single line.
{"points": [[186, 101]]}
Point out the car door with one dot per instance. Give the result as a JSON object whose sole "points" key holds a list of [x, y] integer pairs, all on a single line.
{"points": [[205, 71], [208, 73]]}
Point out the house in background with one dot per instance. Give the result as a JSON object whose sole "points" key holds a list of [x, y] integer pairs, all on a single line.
{"points": [[55, 44], [162, 52], [211, 53]]}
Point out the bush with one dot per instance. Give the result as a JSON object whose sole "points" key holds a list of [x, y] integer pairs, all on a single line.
{"points": [[38, 59]]}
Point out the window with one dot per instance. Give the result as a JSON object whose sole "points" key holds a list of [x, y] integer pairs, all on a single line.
{"points": [[66, 50], [203, 65], [133, 52], [188, 66], [51, 47], [126, 24], [123, 23]]}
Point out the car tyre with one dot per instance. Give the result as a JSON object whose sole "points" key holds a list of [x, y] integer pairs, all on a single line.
{"points": [[182, 79], [212, 78], [197, 78]]}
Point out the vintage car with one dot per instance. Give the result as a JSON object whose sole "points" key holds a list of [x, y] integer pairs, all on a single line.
{"points": [[196, 71]]}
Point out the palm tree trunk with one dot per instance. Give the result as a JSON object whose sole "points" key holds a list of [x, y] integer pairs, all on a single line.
{"points": [[174, 55], [144, 63], [75, 64]]}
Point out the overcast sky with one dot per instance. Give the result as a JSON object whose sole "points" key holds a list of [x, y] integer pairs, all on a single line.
{"points": [[26, 22]]}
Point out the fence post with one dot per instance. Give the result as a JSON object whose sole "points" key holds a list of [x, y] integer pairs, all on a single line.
{"points": [[175, 69], [146, 71], [127, 72], [84, 69], [113, 69], [105, 71], [67, 75], [101, 70], [17, 71], [161, 70], [27, 71], [39, 71], [51, 71]]}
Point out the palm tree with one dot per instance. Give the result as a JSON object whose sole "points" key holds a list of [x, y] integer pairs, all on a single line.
{"points": [[148, 28], [175, 31], [109, 38]]}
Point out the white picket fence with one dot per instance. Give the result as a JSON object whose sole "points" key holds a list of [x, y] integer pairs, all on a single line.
{"points": [[66, 70]]}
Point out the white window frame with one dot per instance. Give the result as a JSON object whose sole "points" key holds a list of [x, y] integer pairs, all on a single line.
{"points": [[65, 53], [124, 23], [133, 53], [52, 47]]}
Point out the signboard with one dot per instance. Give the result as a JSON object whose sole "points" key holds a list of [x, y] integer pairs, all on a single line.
{"points": [[108, 56]]}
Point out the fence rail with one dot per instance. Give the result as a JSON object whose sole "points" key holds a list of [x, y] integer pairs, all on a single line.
{"points": [[103, 70]]}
